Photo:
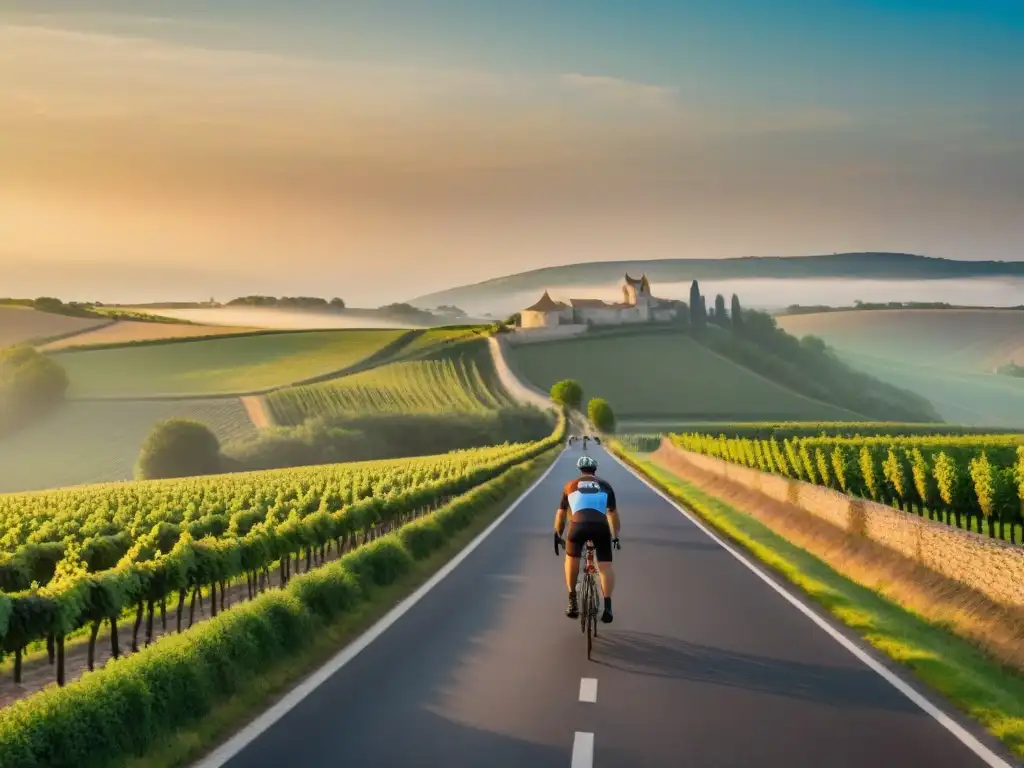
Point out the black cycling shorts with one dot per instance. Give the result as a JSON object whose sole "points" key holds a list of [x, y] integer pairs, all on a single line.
{"points": [[580, 532]]}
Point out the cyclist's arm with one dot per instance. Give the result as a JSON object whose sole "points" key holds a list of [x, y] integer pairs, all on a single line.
{"points": [[613, 514], [561, 514]]}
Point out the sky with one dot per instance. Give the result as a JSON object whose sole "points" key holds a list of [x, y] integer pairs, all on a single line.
{"points": [[382, 149]]}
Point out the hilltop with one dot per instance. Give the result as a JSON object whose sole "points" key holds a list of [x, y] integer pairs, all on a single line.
{"points": [[863, 266]]}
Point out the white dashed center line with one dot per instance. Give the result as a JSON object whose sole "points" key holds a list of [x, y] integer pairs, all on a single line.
{"points": [[583, 750], [588, 690]]}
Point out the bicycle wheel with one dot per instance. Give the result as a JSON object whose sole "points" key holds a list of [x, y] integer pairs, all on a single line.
{"points": [[584, 601], [592, 608]]}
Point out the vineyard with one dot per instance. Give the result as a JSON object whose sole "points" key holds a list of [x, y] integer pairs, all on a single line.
{"points": [[973, 482], [79, 558], [764, 430], [461, 380]]}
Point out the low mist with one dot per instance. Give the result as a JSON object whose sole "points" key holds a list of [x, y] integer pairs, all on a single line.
{"points": [[772, 294], [276, 319]]}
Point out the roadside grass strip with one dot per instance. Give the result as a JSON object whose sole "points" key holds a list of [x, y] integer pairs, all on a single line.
{"points": [[989, 693], [170, 703]]}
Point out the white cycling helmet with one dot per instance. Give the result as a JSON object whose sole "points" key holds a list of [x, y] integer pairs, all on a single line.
{"points": [[586, 464]]}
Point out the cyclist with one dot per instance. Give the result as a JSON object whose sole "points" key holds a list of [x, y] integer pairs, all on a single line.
{"points": [[594, 518], [585, 439]]}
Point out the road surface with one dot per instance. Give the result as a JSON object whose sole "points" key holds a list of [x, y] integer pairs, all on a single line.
{"points": [[705, 665]]}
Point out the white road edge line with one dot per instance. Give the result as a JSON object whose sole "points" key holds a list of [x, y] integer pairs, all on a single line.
{"points": [[989, 757], [583, 750], [247, 735], [588, 690]]}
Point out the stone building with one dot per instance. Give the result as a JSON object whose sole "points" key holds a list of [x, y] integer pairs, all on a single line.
{"points": [[638, 305]]}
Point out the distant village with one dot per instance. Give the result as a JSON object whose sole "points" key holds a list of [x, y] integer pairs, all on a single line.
{"points": [[638, 305]]}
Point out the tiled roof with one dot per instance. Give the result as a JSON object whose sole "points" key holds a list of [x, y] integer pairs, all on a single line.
{"points": [[546, 304], [587, 303]]}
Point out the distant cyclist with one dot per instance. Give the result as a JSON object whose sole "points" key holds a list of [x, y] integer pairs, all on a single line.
{"points": [[594, 518], [585, 439]]}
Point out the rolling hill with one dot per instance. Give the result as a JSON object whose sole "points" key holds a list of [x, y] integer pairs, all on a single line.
{"points": [[23, 325], [449, 379], [666, 378], [133, 332], [945, 355], [98, 442], [970, 340], [874, 266], [226, 365]]}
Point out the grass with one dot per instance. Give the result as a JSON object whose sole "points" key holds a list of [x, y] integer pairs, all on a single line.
{"points": [[98, 442], [665, 377], [219, 366], [22, 325], [990, 693], [967, 340], [459, 378], [187, 745], [131, 331]]}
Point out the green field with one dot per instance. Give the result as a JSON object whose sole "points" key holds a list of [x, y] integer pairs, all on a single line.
{"points": [[99, 442], [438, 336], [457, 378], [666, 376], [220, 366]]}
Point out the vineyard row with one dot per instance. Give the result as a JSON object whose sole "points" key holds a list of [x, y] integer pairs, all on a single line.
{"points": [[975, 483], [152, 572]]}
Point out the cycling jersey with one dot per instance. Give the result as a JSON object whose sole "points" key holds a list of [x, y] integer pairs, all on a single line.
{"points": [[588, 497]]}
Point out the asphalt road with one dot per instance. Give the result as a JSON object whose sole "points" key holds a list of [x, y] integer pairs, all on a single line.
{"points": [[705, 665]]}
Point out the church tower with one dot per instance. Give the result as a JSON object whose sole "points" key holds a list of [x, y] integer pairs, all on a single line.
{"points": [[637, 293]]}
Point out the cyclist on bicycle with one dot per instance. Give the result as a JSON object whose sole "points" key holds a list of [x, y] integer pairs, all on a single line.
{"points": [[585, 439], [594, 518]]}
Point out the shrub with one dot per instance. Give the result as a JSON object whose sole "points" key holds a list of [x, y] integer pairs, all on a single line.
{"points": [[601, 414], [178, 448], [567, 392], [30, 384]]}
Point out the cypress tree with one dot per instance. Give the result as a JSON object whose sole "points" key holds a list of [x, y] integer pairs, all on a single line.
{"points": [[721, 317], [696, 305], [736, 314]]}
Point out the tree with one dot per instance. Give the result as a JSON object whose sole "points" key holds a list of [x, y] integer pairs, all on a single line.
{"points": [[697, 314], [178, 448], [30, 384], [721, 317], [601, 414], [736, 314], [337, 303], [567, 392]]}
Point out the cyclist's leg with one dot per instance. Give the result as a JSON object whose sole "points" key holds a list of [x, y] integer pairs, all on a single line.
{"points": [[603, 550], [602, 538], [573, 551]]}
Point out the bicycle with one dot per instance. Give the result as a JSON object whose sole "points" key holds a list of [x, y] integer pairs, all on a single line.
{"points": [[588, 600], [587, 592]]}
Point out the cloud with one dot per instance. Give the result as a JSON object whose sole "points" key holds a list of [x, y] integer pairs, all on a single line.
{"points": [[620, 90]]}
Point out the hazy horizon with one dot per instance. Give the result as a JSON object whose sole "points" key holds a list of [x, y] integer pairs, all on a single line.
{"points": [[178, 151]]}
